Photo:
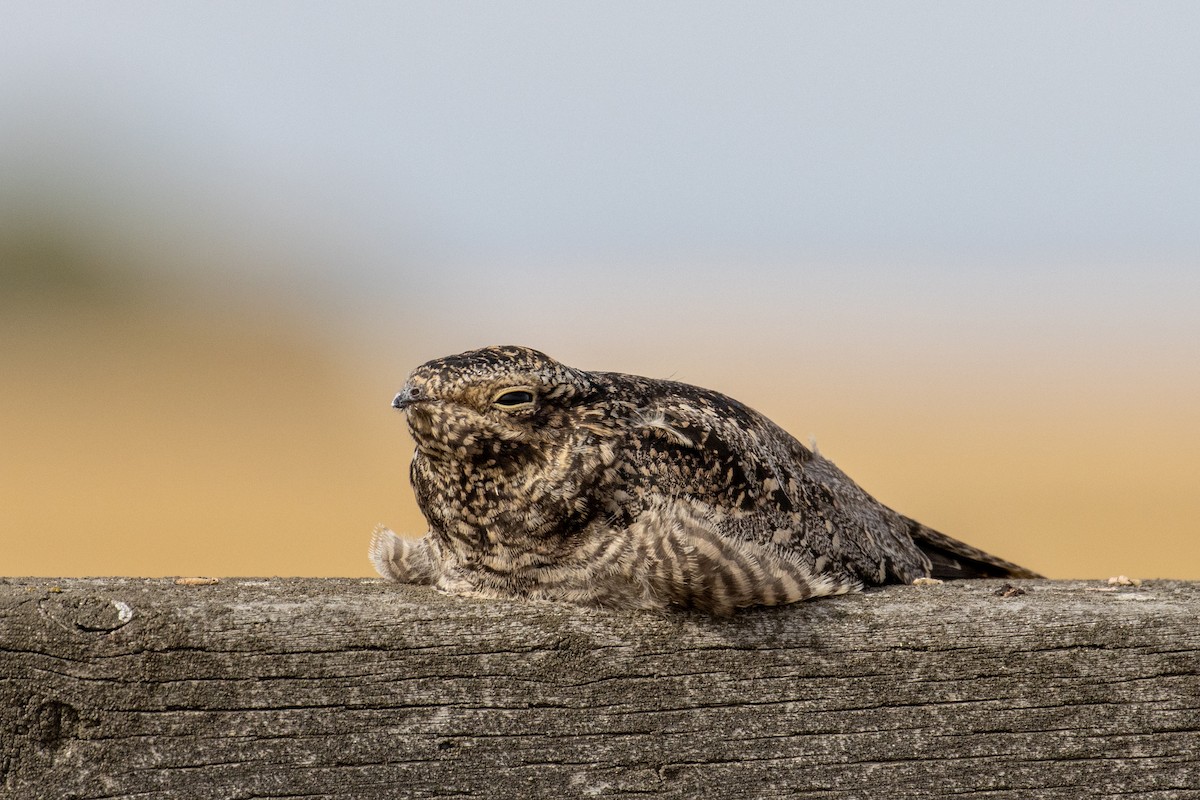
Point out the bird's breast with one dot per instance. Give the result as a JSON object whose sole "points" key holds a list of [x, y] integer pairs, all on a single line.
{"points": [[527, 505]]}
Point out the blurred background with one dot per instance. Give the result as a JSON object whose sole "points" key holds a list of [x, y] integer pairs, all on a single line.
{"points": [[957, 244]]}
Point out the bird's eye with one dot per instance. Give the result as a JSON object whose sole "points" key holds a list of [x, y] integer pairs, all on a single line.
{"points": [[514, 398]]}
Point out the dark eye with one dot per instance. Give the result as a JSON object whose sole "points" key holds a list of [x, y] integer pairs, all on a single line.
{"points": [[516, 397]]}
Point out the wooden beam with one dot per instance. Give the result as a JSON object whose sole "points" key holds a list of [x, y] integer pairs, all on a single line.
{"points": [[358, 689]]}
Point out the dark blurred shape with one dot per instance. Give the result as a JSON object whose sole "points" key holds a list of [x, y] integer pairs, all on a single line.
{"points": [[50, 260]]}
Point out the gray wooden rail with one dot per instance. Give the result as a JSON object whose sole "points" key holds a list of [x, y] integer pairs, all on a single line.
{"points": [[356, 689]]}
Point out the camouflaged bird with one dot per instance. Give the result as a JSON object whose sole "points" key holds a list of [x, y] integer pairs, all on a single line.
{"points": [[544, 482]]}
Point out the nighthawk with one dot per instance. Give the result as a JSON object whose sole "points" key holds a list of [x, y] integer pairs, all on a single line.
{"points": [[545, 482]]}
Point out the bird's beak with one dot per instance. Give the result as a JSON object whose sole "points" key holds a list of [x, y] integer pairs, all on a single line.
{"points": [[404, 399]]}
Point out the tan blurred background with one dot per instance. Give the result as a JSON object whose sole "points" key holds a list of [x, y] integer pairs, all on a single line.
{"points": [[956, 246]]}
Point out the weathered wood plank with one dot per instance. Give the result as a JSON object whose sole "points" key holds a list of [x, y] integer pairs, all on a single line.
{"points": [[359, 689]]}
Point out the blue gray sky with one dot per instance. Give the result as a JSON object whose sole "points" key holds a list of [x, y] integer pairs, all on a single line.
{"points": [[803, 153]]}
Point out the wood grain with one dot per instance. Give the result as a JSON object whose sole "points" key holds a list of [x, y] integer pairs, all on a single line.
{"points": [[255, 688]]}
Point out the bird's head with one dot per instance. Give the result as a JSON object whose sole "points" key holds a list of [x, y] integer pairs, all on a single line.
{"points": [[482, 403]]}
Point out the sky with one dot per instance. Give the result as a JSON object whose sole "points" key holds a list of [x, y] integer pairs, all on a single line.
{"points": [[416, 134], [784, 200]]}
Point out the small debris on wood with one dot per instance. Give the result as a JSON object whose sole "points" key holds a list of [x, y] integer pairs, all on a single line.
{"points": [[927, 582], [1008, 590], [1123, 580], [196, 581]]}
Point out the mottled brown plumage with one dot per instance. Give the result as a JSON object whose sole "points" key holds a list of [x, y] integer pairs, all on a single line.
{"points": [[541, 481]]}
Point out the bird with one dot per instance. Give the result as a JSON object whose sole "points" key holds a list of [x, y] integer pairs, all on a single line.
{"points": [[544, 482]]}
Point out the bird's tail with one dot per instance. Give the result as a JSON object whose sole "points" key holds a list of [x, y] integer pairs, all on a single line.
{"points": [[953, 559]]}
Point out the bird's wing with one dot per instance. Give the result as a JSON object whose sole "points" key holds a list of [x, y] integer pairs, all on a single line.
{"points": [[726, 450], [783, 494]]}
